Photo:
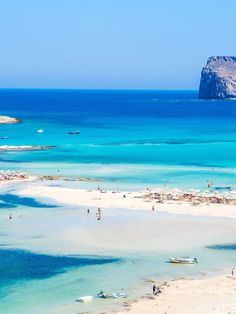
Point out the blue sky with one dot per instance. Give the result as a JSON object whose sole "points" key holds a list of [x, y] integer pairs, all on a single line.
{"points": [[147, 44]]}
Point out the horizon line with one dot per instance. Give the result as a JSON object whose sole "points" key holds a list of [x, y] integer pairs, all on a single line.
{"points": [[98, 89]]}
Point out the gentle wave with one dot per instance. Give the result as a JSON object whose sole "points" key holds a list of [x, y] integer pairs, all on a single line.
{"points": [[161, 143]]}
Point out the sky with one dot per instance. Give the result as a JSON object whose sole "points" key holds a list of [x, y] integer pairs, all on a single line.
{"points": [[112, 44]]}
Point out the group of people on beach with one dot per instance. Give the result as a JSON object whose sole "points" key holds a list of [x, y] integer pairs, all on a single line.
{"points": [[98, 213], [155, 290], [10, 216], [210, 183]]}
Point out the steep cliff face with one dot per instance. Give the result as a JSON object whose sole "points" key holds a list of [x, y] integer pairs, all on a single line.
{"points": [[218, 78]]}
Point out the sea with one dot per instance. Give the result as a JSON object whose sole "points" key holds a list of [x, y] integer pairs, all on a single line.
{"points": [[129, 140]]}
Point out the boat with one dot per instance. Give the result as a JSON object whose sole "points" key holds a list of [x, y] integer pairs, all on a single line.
{"points": [[40, 131], [183, 260], [74, 132], [86, 298], [4, 137], [107, 295]]}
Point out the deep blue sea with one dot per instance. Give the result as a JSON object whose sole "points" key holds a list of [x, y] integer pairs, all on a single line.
{"points": [[128, 139]]}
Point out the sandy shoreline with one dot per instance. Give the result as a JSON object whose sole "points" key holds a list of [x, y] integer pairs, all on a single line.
{"points": [[208, 295], [132, 200]]}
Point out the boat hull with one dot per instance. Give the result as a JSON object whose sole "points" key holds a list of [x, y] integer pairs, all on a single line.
{"points": [[175, 260]]}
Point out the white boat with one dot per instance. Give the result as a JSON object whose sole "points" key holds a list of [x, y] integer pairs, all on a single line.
{"points": [[183, 260], [40, 131], [86, 298]]}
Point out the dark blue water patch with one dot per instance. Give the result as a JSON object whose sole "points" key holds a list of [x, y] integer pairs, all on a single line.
{"points": [[13, 200], [230, 246], [222, 188], [4, 205], [7, 160], [167, 142], [24, 265]]}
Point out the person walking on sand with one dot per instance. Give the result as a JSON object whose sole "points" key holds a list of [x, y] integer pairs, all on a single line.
{"points": [[153, 289], [232, 272], [153, 208]]}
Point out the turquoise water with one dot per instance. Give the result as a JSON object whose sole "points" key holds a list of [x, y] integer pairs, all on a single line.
{"points": [[128, 138]]}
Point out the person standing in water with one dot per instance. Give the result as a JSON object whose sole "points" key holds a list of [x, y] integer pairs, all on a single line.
{"points": [[153, 289]]}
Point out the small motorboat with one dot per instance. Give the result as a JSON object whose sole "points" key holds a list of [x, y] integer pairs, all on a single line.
{"points": [[86, 298], [183, 260], [107, 295], [40, 131], [74, 132]]}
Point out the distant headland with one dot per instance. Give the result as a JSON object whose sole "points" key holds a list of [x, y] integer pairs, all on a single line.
{"points": [[218, 78]]}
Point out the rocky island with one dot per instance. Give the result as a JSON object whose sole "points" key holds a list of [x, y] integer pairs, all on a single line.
{"points": [[218, 78], [9, 120]]}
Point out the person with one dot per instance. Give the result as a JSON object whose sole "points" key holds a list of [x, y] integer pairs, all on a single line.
{"points": [[232, 272], [153, 289], [10, 216], [88, 211], [153, 208], [158, 290], [99, 214], [124, 196]]}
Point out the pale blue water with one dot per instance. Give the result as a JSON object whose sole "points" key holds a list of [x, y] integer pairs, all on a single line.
{"points": [[139, 137], [130, 140]]}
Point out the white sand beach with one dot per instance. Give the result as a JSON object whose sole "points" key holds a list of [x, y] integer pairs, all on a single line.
{"points": [[209, 295], [132, 200]]}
